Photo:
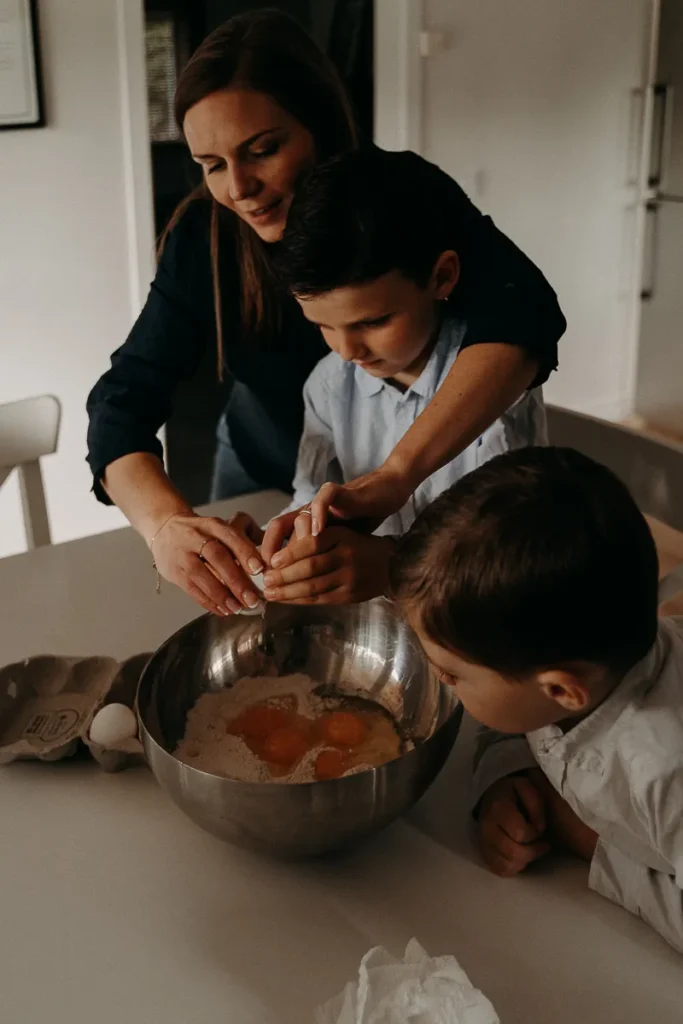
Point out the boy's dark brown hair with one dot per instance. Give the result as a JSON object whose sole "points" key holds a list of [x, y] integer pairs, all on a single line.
{"points": [[538, 558]]}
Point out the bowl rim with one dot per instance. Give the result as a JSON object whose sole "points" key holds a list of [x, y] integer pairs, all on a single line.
{"points": [[147, 737]]}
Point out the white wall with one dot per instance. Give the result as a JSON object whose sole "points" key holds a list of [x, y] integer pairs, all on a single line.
{"points": [[68, 261], [530, 106]]}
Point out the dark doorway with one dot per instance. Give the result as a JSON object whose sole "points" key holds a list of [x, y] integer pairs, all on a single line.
{"points": [[344, 29]]}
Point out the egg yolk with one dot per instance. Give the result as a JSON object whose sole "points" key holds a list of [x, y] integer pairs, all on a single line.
{"points": [[286, 746], [329, 764], [258, 721], [343, 729]]}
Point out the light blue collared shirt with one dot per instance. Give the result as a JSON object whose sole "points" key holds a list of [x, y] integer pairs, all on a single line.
{"points": [[353, 421]]}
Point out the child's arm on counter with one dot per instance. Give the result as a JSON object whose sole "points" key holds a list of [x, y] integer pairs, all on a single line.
{"points": [[508, 802]]}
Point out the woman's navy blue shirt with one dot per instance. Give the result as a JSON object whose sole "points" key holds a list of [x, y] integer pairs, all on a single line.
{"points": [[501, 294]]}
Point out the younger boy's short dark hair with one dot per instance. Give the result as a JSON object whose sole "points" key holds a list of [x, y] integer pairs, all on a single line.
{"points": [[356, 218], [538, 558]]}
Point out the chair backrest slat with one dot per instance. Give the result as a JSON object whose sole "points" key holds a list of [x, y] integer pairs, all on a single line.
{"points": [[28, 430]]}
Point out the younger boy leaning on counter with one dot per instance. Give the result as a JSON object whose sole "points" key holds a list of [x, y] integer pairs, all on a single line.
{"points": [[368, 259], [532, 584]]}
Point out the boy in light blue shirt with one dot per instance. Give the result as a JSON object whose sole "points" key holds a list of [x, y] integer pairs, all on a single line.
{"points": [[370, 264]]}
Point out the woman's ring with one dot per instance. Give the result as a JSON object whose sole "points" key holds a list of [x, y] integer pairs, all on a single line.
{"points": [[305, 512], [204, 543]]}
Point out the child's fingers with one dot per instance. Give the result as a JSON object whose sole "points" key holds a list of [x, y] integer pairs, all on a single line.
{"points": [[303, 569], [505, 856], [532, 801], [296, 551], [507, 816], [509, 867], [304, 590], [247, 525], [520, 854], [277, 532]]}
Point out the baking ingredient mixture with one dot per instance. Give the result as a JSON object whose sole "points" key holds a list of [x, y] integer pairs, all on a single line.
{"points": [[284, 729]]}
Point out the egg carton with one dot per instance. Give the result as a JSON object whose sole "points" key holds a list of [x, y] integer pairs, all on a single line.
{"points": [[47, 705]]}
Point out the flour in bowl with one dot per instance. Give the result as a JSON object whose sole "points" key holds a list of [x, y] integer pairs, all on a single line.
{"points": [[282, 729]]}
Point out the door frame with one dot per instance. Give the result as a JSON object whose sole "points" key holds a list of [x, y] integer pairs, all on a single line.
{"points": [[137, 159]]}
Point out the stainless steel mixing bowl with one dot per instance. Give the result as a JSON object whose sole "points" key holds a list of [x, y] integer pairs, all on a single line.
{"points": [[356, 648]]}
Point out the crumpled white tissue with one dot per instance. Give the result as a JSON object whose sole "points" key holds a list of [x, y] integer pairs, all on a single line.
{"points": [[420, 989]]}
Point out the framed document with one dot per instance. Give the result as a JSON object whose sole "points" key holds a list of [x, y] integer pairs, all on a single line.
{"points": [[21, 99]]}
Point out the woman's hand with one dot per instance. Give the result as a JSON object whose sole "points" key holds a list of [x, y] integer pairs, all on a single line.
{"points": [[219, 579], [371, 498], [298, 523], [339, 566]]}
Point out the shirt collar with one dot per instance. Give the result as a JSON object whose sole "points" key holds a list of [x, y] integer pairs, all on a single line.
{"points": [[428, 382], [636, 683], [366, 383]]}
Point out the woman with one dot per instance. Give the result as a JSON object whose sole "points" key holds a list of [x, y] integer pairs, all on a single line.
{"points": [[259, 104]]}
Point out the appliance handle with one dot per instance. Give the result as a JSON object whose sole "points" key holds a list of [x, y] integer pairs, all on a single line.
{"points": [[647, 291], [659, 122]]}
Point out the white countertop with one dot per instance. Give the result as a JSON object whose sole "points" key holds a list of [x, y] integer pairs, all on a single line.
{"points": [[115, 907]]}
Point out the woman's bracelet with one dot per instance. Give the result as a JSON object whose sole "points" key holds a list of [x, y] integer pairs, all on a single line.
{"points": [[173, 515]]}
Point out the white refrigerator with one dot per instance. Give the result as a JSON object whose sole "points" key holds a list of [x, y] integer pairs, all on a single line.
{"points": [[659, 381]]}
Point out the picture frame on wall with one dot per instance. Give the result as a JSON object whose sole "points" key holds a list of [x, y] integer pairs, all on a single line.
{"points": [[166, 51], [21, 88]]}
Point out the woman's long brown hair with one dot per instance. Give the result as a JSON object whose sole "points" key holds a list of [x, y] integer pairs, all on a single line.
{"points": [[268, 52]]}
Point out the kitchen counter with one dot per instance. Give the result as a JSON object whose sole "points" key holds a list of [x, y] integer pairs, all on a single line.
{"points": [[116, 907]]}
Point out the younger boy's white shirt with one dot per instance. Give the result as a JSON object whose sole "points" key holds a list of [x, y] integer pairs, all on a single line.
{"points": [[621, 771], [353, 421]]}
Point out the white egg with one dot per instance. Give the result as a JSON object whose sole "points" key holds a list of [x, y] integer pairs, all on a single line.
{"points": [[112, 724], [258, 581]]}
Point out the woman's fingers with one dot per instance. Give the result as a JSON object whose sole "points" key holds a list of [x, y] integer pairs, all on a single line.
{"points": [[277, 532], [303, 525], [198, 573], [216, 580], [233, 537], [321, 505], [223, 566], [233, 557], [198, 595]]}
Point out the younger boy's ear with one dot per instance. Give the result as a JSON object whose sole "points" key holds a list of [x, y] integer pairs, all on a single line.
{"points": [[445, 274], [566, 689]]}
